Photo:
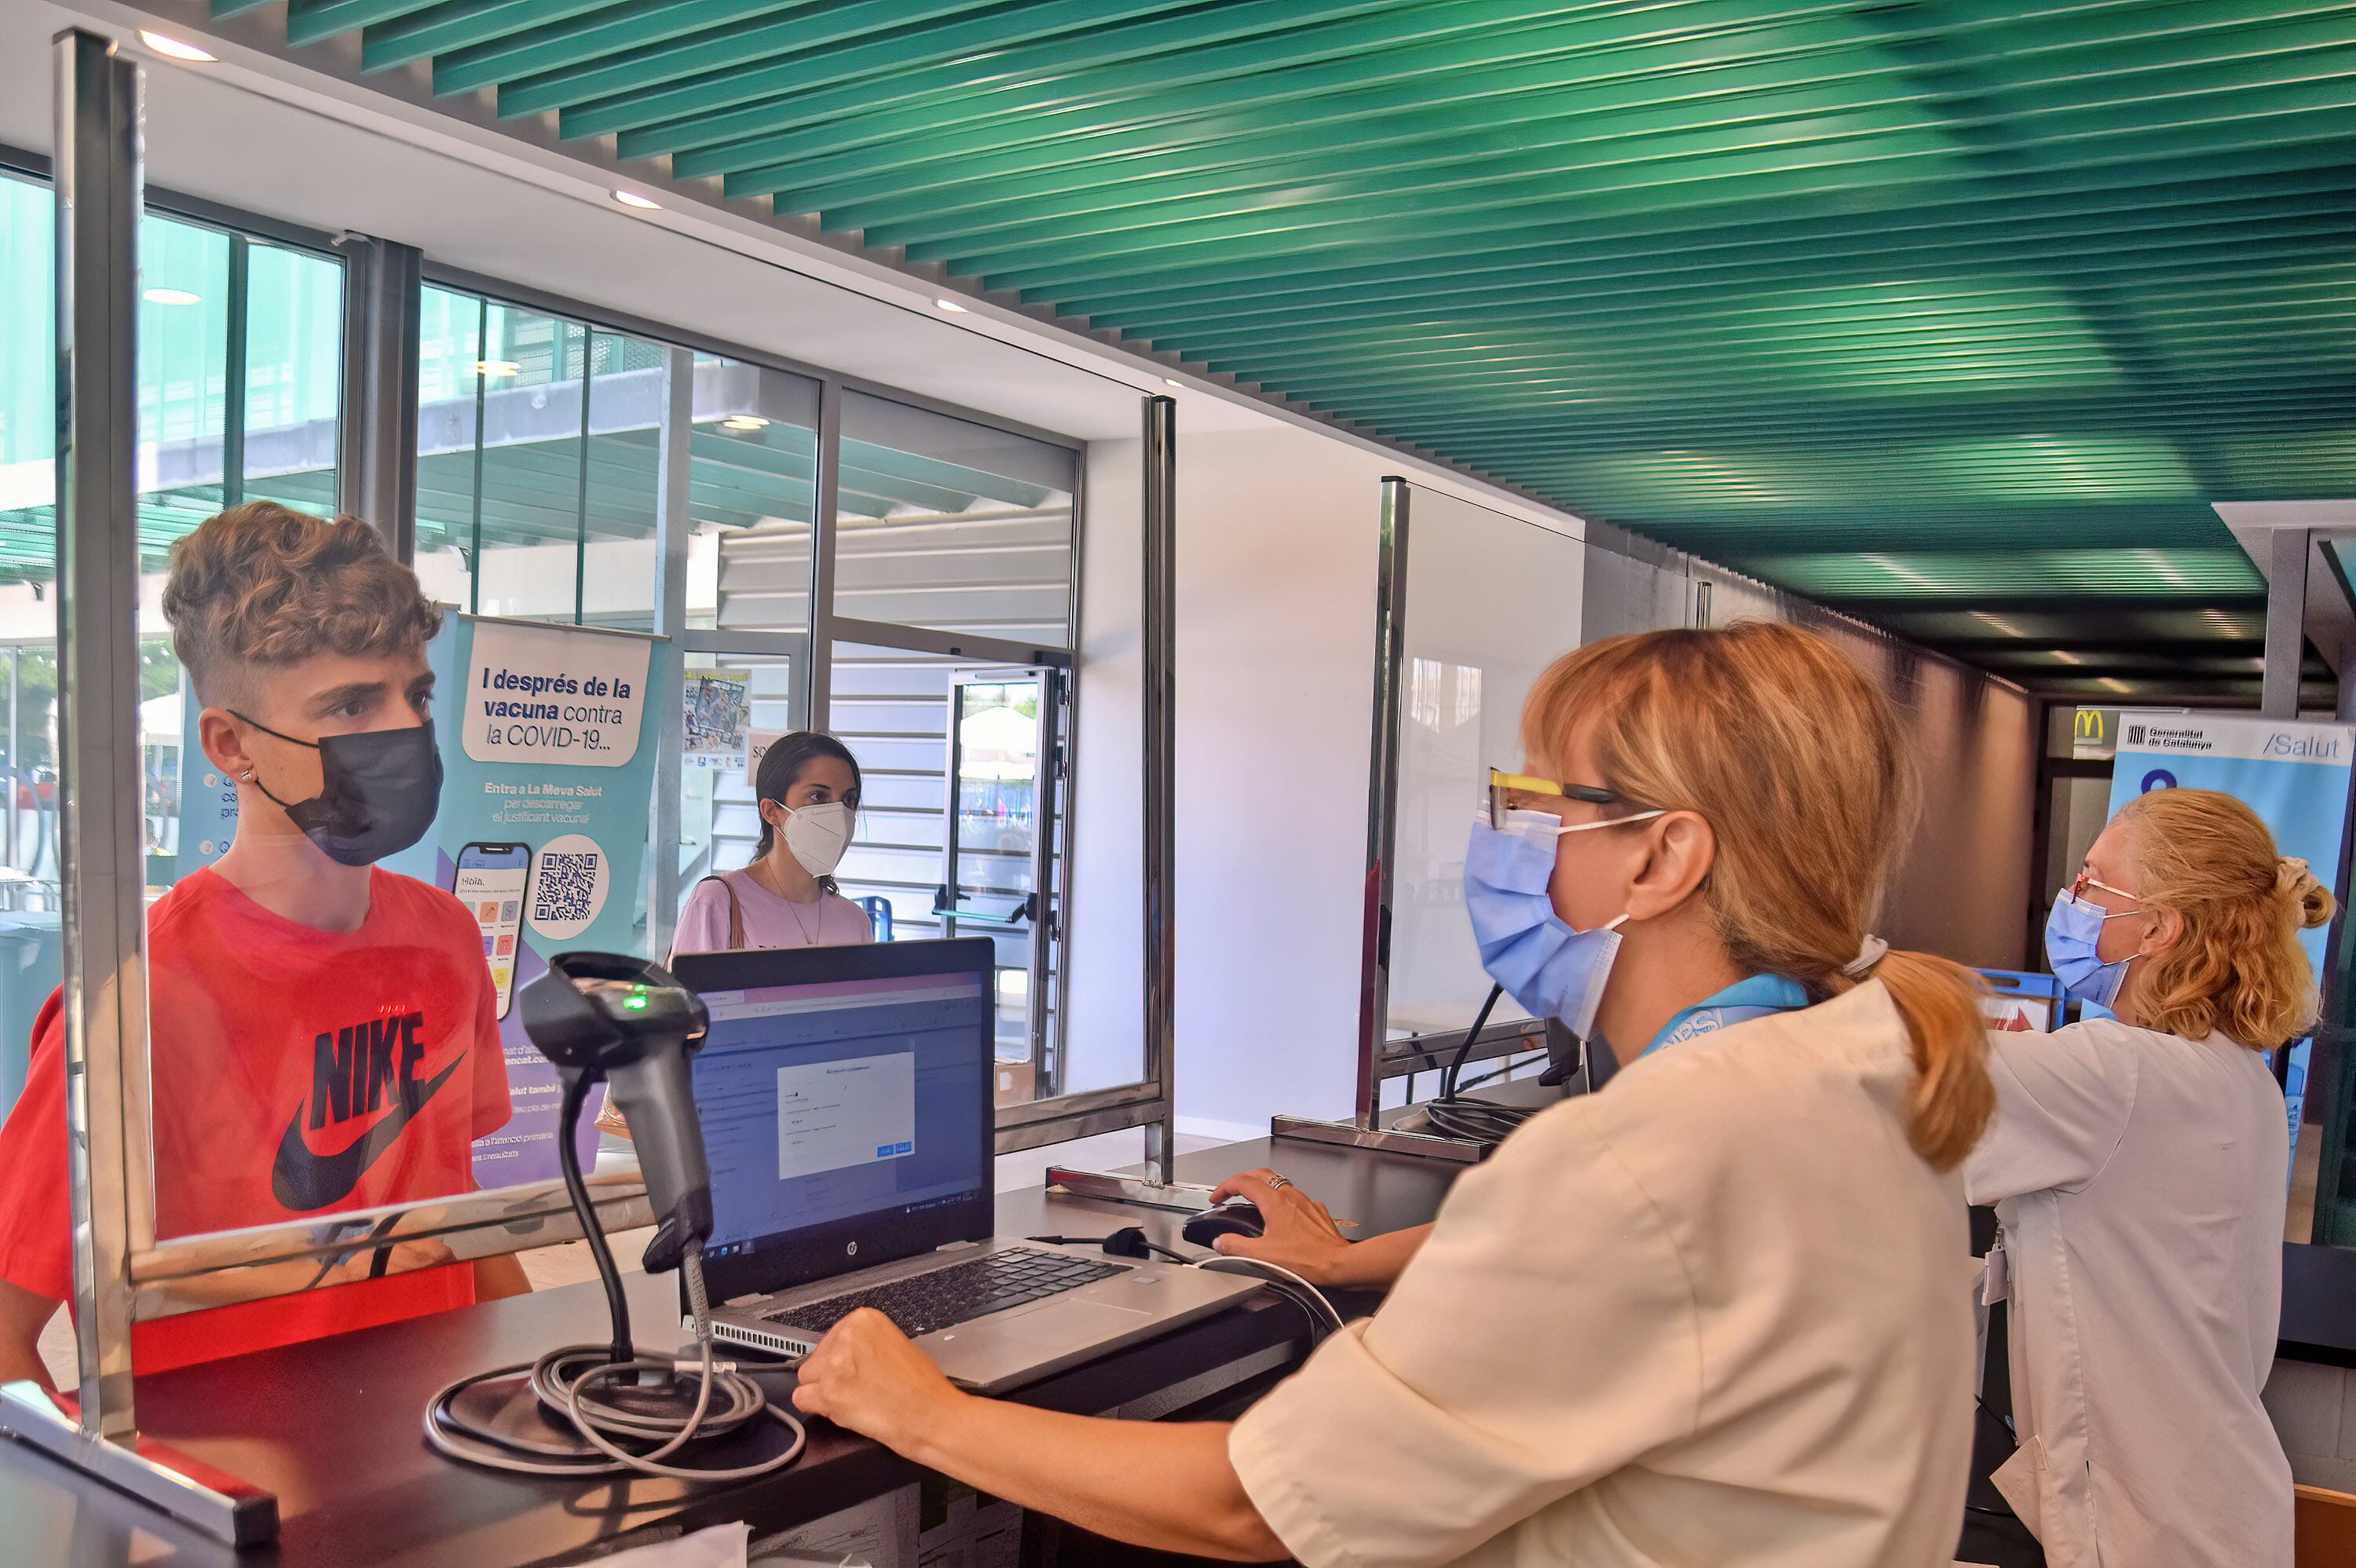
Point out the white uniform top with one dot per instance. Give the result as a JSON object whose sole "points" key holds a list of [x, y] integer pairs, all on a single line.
{"points": [[1717, 1312], [2140, 1180]]}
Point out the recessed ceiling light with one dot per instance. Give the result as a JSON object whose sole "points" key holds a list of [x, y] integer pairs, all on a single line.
{"points": [[632, 198], [1171, 381], [171, 297], [950, 305], [495, 366], [172, 49], [744, 421]]}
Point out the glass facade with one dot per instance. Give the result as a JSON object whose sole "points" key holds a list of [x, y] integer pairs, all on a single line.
{"points": [[543, 442]]}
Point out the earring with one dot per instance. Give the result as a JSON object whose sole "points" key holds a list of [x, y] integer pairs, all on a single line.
{"points": [[246, 777]]}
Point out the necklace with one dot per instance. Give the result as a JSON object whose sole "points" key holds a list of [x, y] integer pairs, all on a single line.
{"points": [[809, 937]]}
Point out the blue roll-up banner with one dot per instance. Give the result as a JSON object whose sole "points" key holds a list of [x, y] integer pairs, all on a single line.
{"points": [[549, 766], [2294, 776]]}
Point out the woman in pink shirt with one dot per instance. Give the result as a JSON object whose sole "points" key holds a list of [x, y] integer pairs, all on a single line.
{"points": [[808, 790]]}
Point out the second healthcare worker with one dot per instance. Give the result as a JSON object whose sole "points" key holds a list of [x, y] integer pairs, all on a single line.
{"points": [[2138, 1165], [807, 786], [1714, 1315]]}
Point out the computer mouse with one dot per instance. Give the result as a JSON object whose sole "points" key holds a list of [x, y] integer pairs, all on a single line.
{"points": [[1233, 1218]]}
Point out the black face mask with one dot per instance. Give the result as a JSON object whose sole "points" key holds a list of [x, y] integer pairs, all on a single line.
{"points": [[378, 792]]}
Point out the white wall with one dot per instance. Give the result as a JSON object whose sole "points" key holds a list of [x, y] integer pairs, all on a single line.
{"points": [[1276, 532]]}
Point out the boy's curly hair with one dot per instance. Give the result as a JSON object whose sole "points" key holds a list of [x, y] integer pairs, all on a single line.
{"points": [[265, 584]]}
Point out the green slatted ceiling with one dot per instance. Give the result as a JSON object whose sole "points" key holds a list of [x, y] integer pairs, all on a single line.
{"points": [[1920, 308]]}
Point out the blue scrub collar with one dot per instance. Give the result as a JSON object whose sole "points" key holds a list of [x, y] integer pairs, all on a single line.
{"points": [[1755, 997]]}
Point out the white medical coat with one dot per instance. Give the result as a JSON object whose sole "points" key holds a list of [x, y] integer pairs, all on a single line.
{"points": [[1717, 1313], [2139, 1178]]}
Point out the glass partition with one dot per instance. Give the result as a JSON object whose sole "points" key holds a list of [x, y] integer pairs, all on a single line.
{"points": [[961, 829], [1489, 601]]}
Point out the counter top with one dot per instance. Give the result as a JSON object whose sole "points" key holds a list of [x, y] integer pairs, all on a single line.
{"points": [[334, 1426]]}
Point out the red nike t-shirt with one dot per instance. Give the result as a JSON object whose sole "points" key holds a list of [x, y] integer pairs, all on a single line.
{"points": [[295, 1074]]}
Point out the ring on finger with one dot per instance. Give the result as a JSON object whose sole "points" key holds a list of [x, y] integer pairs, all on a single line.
{"points": [[1279, 1182]]}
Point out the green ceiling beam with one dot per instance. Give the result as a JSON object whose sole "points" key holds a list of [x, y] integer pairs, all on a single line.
{"points": [[1856, 165], [1544, 174], [480, 25], [1722, 222], [312, 21], [750, 98], [1808, 237], [613, 91], [1426, 41], [550, 40], [1517, 106]]}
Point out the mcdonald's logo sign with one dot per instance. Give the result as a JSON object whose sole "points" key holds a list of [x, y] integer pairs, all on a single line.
{"points": [[2090, 725]]}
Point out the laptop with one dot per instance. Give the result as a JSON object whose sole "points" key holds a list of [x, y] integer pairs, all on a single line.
{"points": [[845, 1095]]}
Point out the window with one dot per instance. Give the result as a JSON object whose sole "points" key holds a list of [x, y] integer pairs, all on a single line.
{"points": [[238, 380], [536, 463]]}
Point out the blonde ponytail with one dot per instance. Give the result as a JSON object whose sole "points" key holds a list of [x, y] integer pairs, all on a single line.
{"points": [[1952, 1098], [1802, 769]]}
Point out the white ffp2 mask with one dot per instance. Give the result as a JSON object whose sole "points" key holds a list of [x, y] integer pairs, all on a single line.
{"points": [[817, 835]]}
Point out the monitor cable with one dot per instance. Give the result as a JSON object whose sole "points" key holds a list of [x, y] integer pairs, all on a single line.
{"points": [[1452, 1115]]}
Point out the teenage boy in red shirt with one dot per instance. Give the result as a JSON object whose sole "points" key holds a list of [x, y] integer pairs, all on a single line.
{"points": [[322, 1033]]}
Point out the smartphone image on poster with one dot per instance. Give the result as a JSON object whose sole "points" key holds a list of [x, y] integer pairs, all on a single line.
{"points": [[490, 882]]}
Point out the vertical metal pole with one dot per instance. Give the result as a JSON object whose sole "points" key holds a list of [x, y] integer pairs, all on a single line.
{"points": [[375, 458], [673, 455], [482, 395], [581, 489], [2285, 622], [233, 377], [1382, 794], [818, 680], [1159, 650], [1044, 790], [99, 156], [17, 773]]}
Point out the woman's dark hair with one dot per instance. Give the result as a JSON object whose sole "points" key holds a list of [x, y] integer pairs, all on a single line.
{"points": [[782, 767]]}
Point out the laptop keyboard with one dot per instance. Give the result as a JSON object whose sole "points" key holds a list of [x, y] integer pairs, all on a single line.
{"points": [[947, 1296]]}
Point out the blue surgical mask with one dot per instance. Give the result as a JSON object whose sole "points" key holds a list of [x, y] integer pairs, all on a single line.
{"points": [[2072, 934], [1551, 970]]}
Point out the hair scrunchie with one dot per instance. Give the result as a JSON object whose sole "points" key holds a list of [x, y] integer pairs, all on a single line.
{"points": [[1869, 953]]}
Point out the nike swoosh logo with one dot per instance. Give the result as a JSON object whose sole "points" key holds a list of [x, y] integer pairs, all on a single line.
{"points": [[304, 1180]]}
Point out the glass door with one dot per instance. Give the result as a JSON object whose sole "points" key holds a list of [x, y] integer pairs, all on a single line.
{"points": [[999, 865]]}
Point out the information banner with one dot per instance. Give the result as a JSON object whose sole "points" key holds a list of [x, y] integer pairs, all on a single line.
{"points": [[549, 766], [2296, 776]]}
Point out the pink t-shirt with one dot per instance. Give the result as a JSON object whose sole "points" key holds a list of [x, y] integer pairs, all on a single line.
{"points": [[769, 921]]}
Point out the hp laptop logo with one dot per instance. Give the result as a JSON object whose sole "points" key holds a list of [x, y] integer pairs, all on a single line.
{"points": [[850, 1249]]}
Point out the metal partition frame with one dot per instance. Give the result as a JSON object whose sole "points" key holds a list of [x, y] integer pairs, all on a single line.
{"points": [[1382, 791], [99, 134], [123, 1275], [1160, 640], [376, 460]]}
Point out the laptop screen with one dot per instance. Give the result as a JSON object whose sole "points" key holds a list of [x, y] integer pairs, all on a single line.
{"points": [[834, 1109]]}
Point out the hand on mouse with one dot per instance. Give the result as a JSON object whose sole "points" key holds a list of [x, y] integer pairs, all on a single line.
{"points": [[1299, 1232]]}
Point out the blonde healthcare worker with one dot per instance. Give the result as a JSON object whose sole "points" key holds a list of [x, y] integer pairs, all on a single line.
{"points": [[1714, 1315], [807, 784], [2138, 1168]]}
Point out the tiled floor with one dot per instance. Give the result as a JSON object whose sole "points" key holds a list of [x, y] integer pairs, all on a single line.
{"points": [[548, 1267]]}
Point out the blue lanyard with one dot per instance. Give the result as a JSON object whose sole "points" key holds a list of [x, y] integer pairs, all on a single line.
{"points": [[1755, 997]]}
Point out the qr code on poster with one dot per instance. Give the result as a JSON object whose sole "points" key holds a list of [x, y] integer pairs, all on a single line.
{"points": [[566, 885]]}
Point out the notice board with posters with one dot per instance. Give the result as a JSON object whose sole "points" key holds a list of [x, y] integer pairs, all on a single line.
{"points": [[548, 764], [2294, 775]]}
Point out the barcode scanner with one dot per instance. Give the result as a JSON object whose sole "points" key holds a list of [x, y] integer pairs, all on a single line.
{"points": [[587, 1409], [631, 1023]]}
